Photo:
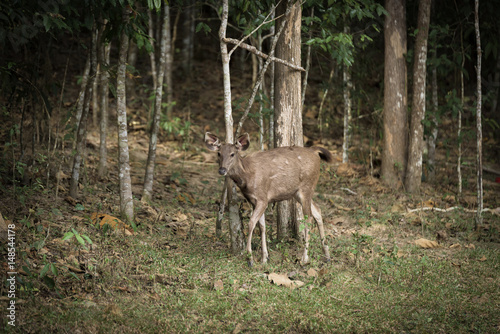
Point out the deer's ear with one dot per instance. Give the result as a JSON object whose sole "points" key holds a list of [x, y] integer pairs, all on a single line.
{"points": [[243, 142], [212, 141]]}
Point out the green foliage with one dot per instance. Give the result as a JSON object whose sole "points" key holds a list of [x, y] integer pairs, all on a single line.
{"points": [[81, 238], [330, 20], [177, 127]]}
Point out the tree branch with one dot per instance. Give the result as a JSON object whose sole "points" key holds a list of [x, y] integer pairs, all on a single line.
{"points": [[254, 50]]}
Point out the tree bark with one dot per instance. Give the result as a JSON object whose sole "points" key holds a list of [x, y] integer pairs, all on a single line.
{"points": [[126, 200], [104, 97], [395, 95], [413, 177], [153, 138], [287, 103], [479, 138], [346, 74], [81, 96], [235, 231], [169, 58], [82, 125]]}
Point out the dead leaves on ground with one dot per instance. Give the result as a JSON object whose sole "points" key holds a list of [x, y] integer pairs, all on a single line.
{"points": [[283, 280], [426, 244], [113, 222]]}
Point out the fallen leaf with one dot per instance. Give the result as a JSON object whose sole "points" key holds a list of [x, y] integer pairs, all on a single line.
{"points": [[425, 243], [115, 223], [280, 279], [483, 259], [218, 285], [312, 273]]}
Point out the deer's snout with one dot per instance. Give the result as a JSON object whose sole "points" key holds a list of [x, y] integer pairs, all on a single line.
{"points": [[222, 171]]}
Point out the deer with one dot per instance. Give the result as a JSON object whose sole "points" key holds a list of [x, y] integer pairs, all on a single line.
{"points": [[270, 176]]}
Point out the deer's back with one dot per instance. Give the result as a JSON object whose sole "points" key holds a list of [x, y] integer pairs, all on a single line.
{"points": [[281, 172]]}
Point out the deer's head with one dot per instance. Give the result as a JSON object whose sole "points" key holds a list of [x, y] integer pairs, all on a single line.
{"points": [[228, 153]]}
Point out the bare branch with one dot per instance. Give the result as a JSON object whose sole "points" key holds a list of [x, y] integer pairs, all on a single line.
{"points": [[254, 50]]}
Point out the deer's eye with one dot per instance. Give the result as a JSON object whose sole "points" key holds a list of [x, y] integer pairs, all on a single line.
{"points": [[232, 154], [218, 154]]}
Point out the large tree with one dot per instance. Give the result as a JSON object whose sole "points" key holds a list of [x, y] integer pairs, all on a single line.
{"points": [[287, 99], [395, 94], [413, 176]]}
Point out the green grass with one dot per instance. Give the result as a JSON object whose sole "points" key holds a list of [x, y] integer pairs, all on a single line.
{"points": [[157, 282]]}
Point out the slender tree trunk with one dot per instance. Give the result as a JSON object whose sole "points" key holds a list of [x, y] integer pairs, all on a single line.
{"points": [[126, 199], [434, 114], [308, 66], [236, 233], [104, 98], [479, 216], [431, 141], [83, 88], [272, 71], [347, 104], [82, 127], [169, 58], [395, 95], [153, 138], [152, 57], [287, 104], [460, 111], [96, 46], [413, 176]]}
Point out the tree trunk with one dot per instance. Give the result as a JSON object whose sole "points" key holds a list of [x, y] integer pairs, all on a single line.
{"points": [[152, 57], [153, 138], [168, 65], [235, 231], [431, 141], [81, 96], [479, 139], [287, 103], [104, 98], [96, 46], [395, 95], [126, 200], [460, 110], [82, 126], [346, 75], [413, 178]]}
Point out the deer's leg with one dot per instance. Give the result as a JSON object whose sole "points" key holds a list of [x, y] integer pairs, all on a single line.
{"points": [[262, 223], [258, 211], [316, 212], [305, 201]]}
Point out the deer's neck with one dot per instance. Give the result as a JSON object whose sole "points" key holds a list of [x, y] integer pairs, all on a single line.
{"points": [[238, 173]]}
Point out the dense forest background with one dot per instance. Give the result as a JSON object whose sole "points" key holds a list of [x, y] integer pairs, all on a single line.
{"points": [[106, 103]]}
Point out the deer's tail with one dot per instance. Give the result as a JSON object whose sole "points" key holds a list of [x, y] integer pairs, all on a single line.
{"points": [[324, 154]]}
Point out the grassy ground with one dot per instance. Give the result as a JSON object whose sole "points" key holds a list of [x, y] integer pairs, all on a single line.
{"points": [[173, 276]]}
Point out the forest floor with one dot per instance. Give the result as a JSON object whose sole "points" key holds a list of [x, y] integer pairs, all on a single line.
{"points": [[399, 262]]}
